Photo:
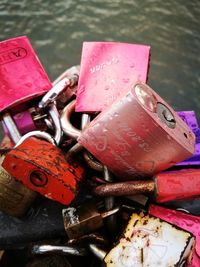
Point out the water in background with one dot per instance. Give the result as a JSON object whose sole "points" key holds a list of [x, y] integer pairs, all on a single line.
{"points": [[57, 30]]}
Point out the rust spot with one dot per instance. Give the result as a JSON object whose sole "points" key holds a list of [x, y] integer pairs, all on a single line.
{"points": [[145, 222], [142, 255]]}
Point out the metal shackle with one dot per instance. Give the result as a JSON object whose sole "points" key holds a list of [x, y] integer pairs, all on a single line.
{"points": [[53, 113], [39, 134], [66, 124], [59, 86]]}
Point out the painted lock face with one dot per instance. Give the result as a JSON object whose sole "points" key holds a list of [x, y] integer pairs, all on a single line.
{"points": [[42, 167], [106, 70], [185, 221], [139, 135], [22, 75]]}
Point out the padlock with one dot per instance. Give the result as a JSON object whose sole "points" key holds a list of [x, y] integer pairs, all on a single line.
{"points": [[165, 186], [149, 241], [106, 70], [185, 221], [43, 168], [84, 219], [23, 121], [139, 135], [190, 119], [22, 75], [15, 198]]}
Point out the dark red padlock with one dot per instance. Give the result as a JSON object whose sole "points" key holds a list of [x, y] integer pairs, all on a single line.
{"points": [[42, 167]]}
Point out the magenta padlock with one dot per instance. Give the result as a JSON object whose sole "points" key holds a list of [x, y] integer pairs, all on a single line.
{"points": [[139, 135], [188, 222], [107, 68], [24, 123], [22, 75]]}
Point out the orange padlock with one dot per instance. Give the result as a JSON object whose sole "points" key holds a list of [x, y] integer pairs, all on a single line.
{"points": [[42, 167]]}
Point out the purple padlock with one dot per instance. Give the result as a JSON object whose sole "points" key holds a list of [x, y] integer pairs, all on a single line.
{"points": [[190, 119], [24, 123]]}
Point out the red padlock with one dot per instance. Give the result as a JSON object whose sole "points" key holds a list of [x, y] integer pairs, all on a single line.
{"points": [[43, 168]]}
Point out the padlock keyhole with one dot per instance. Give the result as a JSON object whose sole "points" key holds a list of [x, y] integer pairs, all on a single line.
{"points": [[38, 178], [166, 115]]}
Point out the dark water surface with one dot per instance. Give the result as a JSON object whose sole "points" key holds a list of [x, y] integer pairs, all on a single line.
{"points": [[57, 30]]}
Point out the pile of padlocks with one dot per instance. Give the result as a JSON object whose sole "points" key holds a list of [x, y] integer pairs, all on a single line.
{"points": [[96, 168]]}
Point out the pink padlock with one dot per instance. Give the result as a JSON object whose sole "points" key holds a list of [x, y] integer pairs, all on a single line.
{"points": [[188, 222], [139, 135], [106, 70], [22, 75]]}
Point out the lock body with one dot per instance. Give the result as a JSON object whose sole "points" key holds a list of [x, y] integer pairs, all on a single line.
{"points": [[23, 121], [185, 221], [82, 220], [149, 241], [42, 167], [174, 185], [15, 198], [190, 119], [139, 135], [23, 77], [106, 70]]}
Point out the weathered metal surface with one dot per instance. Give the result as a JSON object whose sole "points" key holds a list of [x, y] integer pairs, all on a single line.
{"points": [[107, 69], [136, 138], [43, 168], [125, 189], [148, 241], [185, 221]]}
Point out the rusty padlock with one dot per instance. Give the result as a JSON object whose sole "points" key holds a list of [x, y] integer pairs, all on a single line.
{"points": [[42, 167], [84, 219], [139, 135], [106, 70], [149, 241], [185, 221]]}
